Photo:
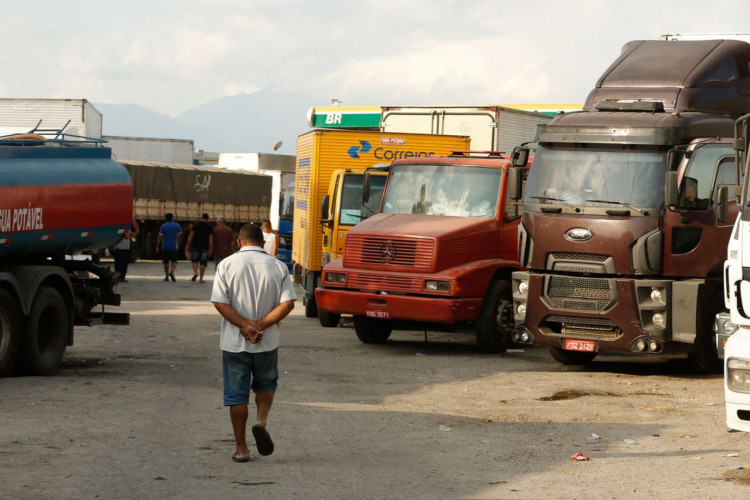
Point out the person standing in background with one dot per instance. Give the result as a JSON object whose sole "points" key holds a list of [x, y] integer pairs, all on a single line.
{"points": [[168, 243], [270, 239], [223, 240], [122, 251], [200, 246]]}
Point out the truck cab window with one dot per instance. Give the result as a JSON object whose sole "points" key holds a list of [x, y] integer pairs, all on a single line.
{"points": [[697, 183]]}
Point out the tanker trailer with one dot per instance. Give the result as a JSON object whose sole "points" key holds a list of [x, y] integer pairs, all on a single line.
{"points": [[57, 197]]}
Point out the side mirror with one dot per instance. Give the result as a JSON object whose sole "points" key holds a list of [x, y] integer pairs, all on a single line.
{"points": [[671, 194], [366, 187], [722, 194], [515, 184], [520, 156], [324, 208]]}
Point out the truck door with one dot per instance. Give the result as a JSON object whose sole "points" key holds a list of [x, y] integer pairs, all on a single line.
{"points": [[692, 231]]}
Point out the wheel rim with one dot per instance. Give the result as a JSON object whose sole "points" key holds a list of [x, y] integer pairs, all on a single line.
{"points": [[504, 319]]}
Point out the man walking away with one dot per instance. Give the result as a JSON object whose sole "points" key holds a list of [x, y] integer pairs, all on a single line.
{"points": [[200, 246], [168, 242], [123, 249], [270, 239], [224, 241], [253, 293]]}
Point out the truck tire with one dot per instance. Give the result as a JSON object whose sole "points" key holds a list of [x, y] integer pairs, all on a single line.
{"points": [[328, 319], [45, 333], [311, 308], [705, 357], [571, 357], [495, 321], [10, 334], [372, 331]]}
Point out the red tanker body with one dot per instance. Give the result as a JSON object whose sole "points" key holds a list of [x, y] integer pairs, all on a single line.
{"points": [[57, 197], [438, 256]]}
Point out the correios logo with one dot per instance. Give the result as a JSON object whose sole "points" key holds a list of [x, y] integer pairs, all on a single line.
{"points": [[384, 153]]}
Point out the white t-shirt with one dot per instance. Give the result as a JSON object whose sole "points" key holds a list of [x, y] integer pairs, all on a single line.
{"points": [[253, 283], [269, 243]]}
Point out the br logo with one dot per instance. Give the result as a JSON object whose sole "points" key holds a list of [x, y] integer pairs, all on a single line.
{"points": [[365, 147]]}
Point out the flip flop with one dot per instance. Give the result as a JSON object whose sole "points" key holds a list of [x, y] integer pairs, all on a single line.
{"points": [[235, 458], [263, 440]]}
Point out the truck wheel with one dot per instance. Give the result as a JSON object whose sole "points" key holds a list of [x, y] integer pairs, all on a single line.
{"points": [[571, 357], [495, 321], [46, 332], [705, 357], [328, 319], [311, 308], [10, 334], [372, 331]]}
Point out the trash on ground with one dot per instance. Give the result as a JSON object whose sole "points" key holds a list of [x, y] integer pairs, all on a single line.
{"points": [[629, 441], [419, 354], [594, 436], [579, 457], [732, 455], [444, 428]]}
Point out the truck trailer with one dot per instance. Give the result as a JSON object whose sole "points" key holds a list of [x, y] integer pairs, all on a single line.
{"points": [[438, 256], [187, 191], [625, 216], [319, 154], [60, 196]]}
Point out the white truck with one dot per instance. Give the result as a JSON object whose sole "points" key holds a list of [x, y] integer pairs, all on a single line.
{"points": [[179, 151], [71, 116]]}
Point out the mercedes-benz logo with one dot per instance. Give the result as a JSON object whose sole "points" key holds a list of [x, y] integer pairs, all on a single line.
{"points": [[387, 252]]}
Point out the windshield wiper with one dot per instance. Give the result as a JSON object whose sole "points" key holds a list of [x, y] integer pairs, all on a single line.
{"points": [[621, 203], [559, 200]]}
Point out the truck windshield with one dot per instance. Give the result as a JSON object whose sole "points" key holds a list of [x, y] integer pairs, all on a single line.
{"points": [[597, 177], [457, 190], [287, 206], [352, 210]]}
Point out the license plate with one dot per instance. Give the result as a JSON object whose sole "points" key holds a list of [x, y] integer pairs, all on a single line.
{"points": [[579, 345], [378, 314]]}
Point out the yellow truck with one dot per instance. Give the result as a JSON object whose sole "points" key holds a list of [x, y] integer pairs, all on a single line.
{"points": [[319, 154]]}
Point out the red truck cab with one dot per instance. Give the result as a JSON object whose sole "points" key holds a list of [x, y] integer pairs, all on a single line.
{"points": [[438, 256]]}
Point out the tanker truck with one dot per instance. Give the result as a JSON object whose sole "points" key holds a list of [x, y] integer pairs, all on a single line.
{"points": [[58, 197]]}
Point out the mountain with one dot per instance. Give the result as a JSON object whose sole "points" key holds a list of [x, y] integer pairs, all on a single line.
{"points": [[239, 123]]}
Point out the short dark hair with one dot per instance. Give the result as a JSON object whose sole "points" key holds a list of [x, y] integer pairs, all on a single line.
{"points": [[251, 233], [204, 216], [168, 216]]}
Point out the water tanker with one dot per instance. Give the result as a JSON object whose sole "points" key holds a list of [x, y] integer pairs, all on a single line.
{"points": [[57, 197]]}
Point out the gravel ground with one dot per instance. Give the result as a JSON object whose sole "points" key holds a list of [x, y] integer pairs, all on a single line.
{"points": [[136, 412]]}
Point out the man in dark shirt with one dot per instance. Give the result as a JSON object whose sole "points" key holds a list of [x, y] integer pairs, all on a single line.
{"points": [[224, 240], [200, 245]]}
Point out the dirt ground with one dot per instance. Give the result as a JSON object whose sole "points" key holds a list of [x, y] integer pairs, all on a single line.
{"points": [[136, 412]]}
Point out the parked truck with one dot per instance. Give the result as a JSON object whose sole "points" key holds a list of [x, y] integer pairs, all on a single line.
{"points": [[187, 191], [180, 151], [344, 208], [625, 216], [59, 196], [438, 256], [64, 116], [319, 154], [491, 128]]}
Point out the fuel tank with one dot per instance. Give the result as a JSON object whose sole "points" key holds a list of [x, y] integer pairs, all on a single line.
{"points": [[58, 199]]}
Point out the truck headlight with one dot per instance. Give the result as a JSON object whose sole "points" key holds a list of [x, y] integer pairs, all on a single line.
{"points": [[523, 287], [728, 327], [659, 320], [657, 295], [335, 278], [738, 374], [437, 286], [521, 309]]}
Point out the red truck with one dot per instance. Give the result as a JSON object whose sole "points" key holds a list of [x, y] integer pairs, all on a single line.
{"points": [[59, 195], [438, 256]]}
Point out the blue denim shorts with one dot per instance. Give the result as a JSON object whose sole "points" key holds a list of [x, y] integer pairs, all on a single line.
{"points": [[243, 371], [199, 255]]}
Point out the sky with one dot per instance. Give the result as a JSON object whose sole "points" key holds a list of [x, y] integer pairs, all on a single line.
{"points": [[173, 55]]}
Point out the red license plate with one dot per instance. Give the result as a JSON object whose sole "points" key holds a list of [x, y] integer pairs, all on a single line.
{"points": [[580, 345], [378, 314]]}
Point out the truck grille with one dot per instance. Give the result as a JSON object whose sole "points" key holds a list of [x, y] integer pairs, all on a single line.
{"points": [[384, 282], [588, 327], [416, 253], [585, 294], [579, 256]]}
